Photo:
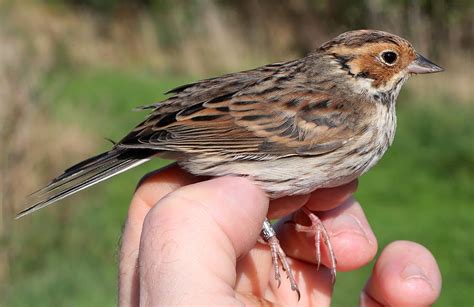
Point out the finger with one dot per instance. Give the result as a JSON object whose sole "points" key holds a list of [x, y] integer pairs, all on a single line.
{"points": [[406, 274], [152, 188], [351, 236], [286, 205], [327, 199], [319, 200], [315, 286], [192, 238], [257, 285]]}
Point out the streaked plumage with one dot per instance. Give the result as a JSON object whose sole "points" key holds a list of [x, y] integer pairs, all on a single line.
{"points": [[292, 127]]}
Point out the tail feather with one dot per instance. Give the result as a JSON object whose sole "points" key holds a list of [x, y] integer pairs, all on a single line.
{"points": [[85, 174], [80, 169]]}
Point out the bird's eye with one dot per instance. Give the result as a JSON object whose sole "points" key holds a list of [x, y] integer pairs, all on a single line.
{"points": [[389, 57]]}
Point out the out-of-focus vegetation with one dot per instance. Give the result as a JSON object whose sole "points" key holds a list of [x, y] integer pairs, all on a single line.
{"points": [[71, 70]]}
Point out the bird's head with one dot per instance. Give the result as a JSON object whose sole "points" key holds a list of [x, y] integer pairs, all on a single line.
{"points": [[377, 59]]}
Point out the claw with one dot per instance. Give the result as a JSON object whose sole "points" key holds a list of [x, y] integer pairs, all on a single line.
{"points": [[319, 230], [277, 253], [273, 242]]}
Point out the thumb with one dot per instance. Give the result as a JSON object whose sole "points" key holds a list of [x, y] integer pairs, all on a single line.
{"points": [[192, 238]]}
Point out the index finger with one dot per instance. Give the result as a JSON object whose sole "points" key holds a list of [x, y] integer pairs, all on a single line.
{"points": [[319, 200]]}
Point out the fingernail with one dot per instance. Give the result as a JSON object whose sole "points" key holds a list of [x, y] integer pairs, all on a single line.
{"points": [[348, 223], [413, 271]]}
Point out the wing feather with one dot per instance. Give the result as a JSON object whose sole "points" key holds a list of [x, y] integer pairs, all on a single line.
{"points": [[273, 112]]}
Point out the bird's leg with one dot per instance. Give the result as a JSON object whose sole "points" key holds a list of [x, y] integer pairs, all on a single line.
{"points": [[319, 231], [269, 236]]}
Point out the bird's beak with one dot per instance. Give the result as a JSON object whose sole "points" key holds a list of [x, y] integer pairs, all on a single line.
{"points": [[422, 65]]}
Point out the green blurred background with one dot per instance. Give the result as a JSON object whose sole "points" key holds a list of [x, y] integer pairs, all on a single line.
{"points": [[71, 71]]}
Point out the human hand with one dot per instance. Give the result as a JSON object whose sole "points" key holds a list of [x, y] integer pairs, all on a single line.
{"points": [[194, 243]]}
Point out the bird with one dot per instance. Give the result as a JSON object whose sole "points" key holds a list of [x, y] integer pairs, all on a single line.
{"points": [[292, 127]]}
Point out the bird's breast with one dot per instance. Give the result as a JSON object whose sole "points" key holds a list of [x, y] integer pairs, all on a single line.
{"points": [[374, 142]]}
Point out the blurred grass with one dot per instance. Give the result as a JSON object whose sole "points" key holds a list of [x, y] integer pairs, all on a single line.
{"points": [[420, 191]]}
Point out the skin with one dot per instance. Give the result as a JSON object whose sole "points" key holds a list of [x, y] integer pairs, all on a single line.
{"points": [[192, 242]]}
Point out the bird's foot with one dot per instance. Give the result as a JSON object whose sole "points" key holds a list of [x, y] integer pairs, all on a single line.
{"points": [[319, 231], [269, 236]]}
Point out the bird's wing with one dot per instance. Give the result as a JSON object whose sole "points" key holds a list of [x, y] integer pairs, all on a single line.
{"points": [[276, 115], [201, 91]]}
